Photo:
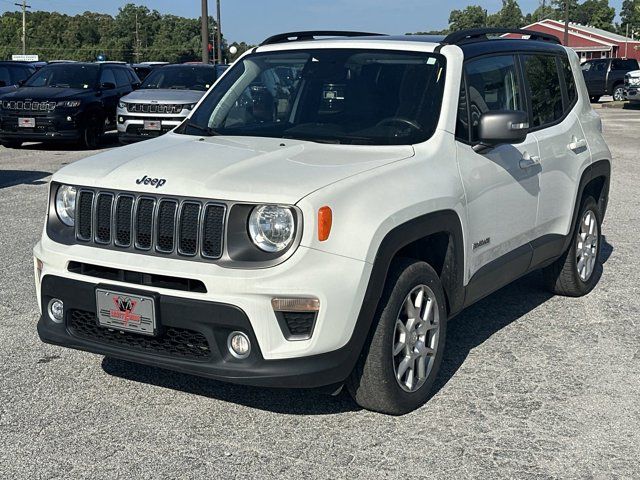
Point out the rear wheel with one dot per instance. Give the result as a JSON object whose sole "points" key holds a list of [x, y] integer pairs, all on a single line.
{"points": [[399, 364], [576, 273]]}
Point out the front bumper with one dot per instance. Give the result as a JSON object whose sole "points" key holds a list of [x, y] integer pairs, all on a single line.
{"points": [[632, 93], [215, 321], [52, 127], [235, 298], [131, 125]]}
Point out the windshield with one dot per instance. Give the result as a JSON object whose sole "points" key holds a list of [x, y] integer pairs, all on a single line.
{"points": [[65, 75], [181, 78], [367, 97]]}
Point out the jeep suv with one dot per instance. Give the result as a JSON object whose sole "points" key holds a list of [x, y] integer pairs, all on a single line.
{"points": [[327, 208], [164, 100], [65, 101]]}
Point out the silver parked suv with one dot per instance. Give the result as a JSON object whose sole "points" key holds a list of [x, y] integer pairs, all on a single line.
{"points": [[164, 100]]}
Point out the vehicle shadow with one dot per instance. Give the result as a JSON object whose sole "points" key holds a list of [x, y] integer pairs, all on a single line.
{"points": [[10, 178], [108, 140], [465, 332]]}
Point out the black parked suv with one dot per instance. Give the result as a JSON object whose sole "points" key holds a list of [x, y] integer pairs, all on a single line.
{"points": [[606, 76], [65, 101]]}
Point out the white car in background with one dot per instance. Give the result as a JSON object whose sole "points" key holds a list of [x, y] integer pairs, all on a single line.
{"points": [[632, 86], [164, 100]]}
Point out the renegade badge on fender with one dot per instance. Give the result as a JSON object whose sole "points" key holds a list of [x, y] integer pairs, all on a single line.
{"points": [[331, 203]]}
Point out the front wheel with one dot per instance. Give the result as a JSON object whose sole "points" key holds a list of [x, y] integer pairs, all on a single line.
{"points": [[92, 133], [576, 273], [618, 93], [399, 364]]}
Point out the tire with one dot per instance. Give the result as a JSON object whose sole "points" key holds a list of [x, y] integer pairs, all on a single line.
{"points": [[594, 99], [618, 93], [11, 143], [569, 277], [92, 133], [374, 383]]}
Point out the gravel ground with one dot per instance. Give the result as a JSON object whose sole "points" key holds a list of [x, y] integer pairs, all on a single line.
{"points": [[533, 386]]}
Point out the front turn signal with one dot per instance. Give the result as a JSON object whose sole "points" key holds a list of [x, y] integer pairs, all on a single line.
{"points": [[325, 219]]}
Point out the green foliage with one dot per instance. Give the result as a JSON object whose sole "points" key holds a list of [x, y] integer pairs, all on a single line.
{"points": [[510, 16], [630, 15], [82, 37], [472, 16], [596, 13]]}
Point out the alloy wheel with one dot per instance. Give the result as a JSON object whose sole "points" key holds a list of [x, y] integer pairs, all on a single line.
{"points": [[587, 243], [416, 336]]}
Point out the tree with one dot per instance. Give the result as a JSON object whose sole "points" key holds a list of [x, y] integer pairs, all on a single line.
{"points": [[596, 13], [510, 16], [630, 15], [471, 17]]}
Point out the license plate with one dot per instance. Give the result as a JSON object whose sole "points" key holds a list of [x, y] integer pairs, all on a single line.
{"points": [[127, 312], [27, 122], [154, 125]]}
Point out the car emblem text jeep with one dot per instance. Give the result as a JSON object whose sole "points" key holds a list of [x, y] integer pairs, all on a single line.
{"points": [[156, 182]]}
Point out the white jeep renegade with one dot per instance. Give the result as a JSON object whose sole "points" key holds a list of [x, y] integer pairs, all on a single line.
{"points": [[327, 207]]}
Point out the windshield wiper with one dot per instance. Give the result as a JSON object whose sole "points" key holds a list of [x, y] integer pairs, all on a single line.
{"points": [[311, 139], [207, 130]]}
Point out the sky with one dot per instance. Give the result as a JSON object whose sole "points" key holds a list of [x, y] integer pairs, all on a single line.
{"points": [[253, 20]]}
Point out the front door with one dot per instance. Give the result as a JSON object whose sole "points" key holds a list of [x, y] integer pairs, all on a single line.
{"points": [[501, 184]]}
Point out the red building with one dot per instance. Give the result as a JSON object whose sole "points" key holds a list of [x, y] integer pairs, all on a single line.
{"points": [[589, 42]]}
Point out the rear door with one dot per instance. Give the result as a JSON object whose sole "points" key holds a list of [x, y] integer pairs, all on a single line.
{"points": [[564, 153], [501, 184]]}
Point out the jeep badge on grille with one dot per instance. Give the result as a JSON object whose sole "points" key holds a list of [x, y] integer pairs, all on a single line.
{"points": [[156, 182]]}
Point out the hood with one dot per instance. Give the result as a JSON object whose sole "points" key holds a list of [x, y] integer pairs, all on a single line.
{"points": [[45, 93], [147, 95], [8, 89], [634, 74], [247, 169]]}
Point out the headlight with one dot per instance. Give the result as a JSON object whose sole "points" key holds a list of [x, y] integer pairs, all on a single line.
{"points": [[66, 204], [69, 103], [634, 81], [271, 227], [121, 104]]}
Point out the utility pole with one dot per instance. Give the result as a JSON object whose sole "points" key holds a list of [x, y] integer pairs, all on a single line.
{"points": [[626, 43], [205, 32], [542, 11], [566, 23], [24, 7], [219, 34], [137, 52]]}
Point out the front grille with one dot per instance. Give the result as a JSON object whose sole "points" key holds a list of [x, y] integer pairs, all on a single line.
{"points": [[161, 226], [154, 108], [173, 342], [29, 106]]}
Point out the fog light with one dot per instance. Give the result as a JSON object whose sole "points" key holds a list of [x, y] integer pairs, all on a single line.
{"points": [[69, 119], [56, 310], [120, 119], [239, 345]]}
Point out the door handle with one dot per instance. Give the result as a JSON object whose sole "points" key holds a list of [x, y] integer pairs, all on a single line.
{"points": [[577, 144], [528, 161]]}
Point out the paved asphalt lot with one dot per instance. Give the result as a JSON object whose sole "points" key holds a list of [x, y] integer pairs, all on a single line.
{"points": [[533, 386]]}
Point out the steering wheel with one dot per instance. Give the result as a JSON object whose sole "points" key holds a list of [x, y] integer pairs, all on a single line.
{"points": [[397, 120]]}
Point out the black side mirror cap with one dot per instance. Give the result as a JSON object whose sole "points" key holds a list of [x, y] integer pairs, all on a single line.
{"points": [[502, 127], [107, 85]]}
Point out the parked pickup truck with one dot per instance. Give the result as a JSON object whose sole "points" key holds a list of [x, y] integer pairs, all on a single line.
{"points": [[606, 76], [632, 86]]}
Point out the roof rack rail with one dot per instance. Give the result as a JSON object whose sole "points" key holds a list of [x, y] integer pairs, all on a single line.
{"points": [[312, 34], [482, 34]]}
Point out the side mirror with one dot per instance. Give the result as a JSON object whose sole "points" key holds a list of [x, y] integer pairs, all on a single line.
{"points": [[107, 85], [136, 85], [502, 127]]}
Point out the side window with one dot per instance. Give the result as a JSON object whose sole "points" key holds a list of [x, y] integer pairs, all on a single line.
{"points": [[122, 80], [570, 81], [493, 85], [600, 66], [5, 79], [19, 74], [624, 65], [107, 76], [545, 89], [587, 66]]}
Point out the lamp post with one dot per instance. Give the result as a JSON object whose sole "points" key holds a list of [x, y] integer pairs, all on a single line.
{"points": [[204, 27], [219, 33]]}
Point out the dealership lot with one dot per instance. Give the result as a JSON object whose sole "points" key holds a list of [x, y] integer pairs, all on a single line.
{"points": [[532, 386]]}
